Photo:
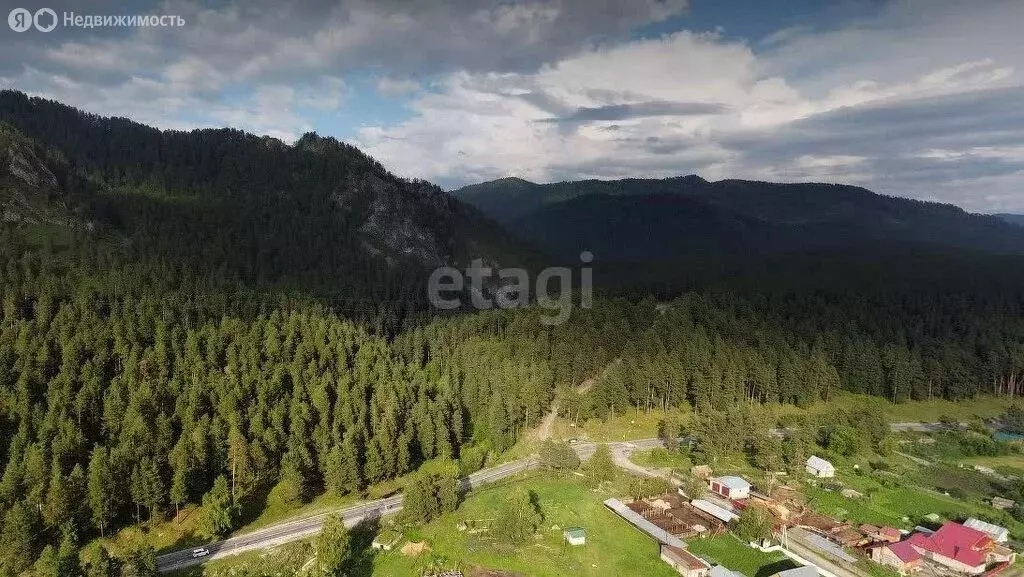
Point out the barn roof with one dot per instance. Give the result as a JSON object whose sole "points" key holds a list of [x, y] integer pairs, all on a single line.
{"points": [[816, 462], [734, 482]]}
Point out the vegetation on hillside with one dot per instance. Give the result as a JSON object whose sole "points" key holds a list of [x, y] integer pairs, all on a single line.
{"points": [[236, 331]]}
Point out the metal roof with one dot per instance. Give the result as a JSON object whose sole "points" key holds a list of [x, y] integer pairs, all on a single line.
{"points": [[720, 571], [991, 529], [818, 463], [824, 545], [660, 535], [805, 571], [733, 482], [714, 510]]}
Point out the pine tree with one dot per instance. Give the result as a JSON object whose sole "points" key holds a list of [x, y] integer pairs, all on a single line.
{"points": [[21, 525], [219, 511], [99, 563], [57, 508], [141, 562], [332, 548], [101, 489], [601, 466], [519, 516], [67, 557]]}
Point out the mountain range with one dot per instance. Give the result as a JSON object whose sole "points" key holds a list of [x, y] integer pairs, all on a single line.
{"points": [[668, 219], [317, 214], [1014, 218]]}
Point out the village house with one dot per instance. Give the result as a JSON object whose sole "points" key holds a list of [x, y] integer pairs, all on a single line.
{"points": [[961, 549], [1002, 503], [902, 557], [730, 487], [819, 467], [881, 534], [684, 562]]}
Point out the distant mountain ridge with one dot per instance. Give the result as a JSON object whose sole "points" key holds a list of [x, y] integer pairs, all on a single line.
{"points": [[318, 212], [665, 219], [1012, 218]]}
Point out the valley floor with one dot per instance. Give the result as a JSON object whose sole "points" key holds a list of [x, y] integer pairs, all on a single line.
{"points": [[897, 490]]}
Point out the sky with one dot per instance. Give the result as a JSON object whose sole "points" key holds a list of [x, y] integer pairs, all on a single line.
{"points": [[914, 98]]}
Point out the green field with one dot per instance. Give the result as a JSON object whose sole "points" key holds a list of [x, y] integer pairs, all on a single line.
{"points": [[890, 503], [638, 425], [621, 427], [661, 459], [613, 547], [1005, 464], [731, 553]]}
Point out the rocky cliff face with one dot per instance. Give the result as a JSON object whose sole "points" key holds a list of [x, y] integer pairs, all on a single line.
{"points": [[30, 190], [396, 222], [254, 204]]}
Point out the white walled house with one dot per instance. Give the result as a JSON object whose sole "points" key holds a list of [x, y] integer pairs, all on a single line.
{"points": [[730, 487], [819, 467]]}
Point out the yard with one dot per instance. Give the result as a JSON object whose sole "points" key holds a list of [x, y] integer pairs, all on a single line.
{"points": [[888, 502], [1004, 464], [661, 459], [731, 553]]}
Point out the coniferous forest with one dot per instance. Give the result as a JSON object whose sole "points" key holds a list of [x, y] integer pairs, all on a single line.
{"points": [[204, 317]]}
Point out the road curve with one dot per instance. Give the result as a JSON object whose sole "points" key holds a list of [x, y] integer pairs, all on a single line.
{"points": [[301, 528]]}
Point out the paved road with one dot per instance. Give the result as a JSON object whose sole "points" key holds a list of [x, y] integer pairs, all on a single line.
{"points": [[302, 528]]}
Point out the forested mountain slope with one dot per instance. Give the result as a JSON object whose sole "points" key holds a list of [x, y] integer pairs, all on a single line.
{"points": [[645, 220], [216, 317], [319, 214], [36, 185]]}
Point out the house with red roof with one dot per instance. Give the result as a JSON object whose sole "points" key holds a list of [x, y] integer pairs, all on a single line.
{"points": [[960, 548], [900, 556]]}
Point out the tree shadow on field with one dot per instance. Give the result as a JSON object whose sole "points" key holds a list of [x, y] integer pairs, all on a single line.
{"points": [[361, 551], [773, 568]]}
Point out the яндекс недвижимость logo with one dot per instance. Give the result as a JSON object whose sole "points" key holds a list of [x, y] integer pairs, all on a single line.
{"points": [[21, 19], [46, 19]]}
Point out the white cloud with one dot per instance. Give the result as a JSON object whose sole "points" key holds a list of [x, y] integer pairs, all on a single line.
{"points": [[907, 101], [810, 106], [393, 87], [488, 125]]}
